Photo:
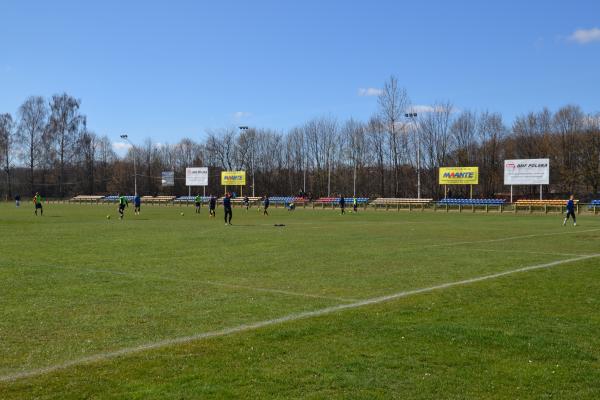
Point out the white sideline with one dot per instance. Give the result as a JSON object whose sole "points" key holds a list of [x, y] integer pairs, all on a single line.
{"points": [[540, 253], [201, 282], [256, 325], [574, 231]]}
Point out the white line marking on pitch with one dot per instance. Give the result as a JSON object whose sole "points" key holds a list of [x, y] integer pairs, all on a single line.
{"points": [[261, 324], [530, 252], [510, 238], [201, 282]]}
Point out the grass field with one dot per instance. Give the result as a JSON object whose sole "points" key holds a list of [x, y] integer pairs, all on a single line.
{"points": [[165, 306]]}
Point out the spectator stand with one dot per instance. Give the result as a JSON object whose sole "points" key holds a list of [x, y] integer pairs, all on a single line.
{"points": [[473, 204], [543, 205], [594, 206], [335, 201], [400, 203], [90, 199]]}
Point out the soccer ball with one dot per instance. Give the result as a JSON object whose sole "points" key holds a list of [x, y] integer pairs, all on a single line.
{"points": [[108, 217], [181, 214]]}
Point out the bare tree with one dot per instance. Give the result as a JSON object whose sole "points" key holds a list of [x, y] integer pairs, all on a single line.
{"points": [[393, 102], [434, 129], [221, 145], [6, 148], [568, 122], [87, 147], [375, 134], [63, 127], [590, 153], [491, 131], [33, 115], [105, 159], [464, 134], [354, 138]]}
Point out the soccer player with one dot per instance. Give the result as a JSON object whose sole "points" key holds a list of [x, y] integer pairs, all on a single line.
{"points": [[37, 201], [212, 203], [227, 208], [137, 204], [17, 200], [246, 202], [122, 204], [355, 204], [342, 204], [266, 203], [198, 201], [570, 211]]}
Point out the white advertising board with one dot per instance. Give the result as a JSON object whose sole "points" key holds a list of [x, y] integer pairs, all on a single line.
{"points": [[168, 178], [197, 176], [534, 171]]}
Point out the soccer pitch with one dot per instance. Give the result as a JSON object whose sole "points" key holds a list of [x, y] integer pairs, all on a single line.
{"points": [[370, 305]]}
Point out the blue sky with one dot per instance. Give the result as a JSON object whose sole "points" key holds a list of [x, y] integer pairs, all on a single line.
{"points": [[174, 69]]}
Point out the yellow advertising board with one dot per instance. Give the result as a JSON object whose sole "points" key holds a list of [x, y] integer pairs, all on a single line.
{"points": [[459, 175], [233, 178]]}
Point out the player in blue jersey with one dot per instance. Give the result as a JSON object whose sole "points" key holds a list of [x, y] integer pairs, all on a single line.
{"points": [[570, 211], [227, 208], [137, 204]]}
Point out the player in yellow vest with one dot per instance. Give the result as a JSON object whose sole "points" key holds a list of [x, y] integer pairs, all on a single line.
{"points": [[37, 201]]}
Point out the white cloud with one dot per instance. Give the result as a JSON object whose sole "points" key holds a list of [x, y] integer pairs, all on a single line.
{"points": [[241, 114], [421, 109], [584, 36], [121, 147], [368, 92], [424, 109]]}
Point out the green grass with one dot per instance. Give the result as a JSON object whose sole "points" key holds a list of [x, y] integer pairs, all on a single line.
{"points": [[74, 284]]}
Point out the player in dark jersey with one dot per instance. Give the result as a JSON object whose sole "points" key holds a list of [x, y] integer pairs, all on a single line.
{"points": [[212, 204], [266, 203], [137, 204], [37, 201], [246, 202], [570, 211], [122, 204], [197, 202], [342, 204], [227, 209]]}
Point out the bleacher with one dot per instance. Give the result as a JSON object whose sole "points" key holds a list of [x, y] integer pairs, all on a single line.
{"points": [[283, 200], [336, 200], [543, 205], [471, 202], [157, 199], [399, 203], [240, 200], [86, 199], [384, 201], [526, 202], [191, 199], [115, 198]]}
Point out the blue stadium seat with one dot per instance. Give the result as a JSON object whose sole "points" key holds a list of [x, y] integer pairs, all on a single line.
{"points": [[115, 198], [472, 202]]}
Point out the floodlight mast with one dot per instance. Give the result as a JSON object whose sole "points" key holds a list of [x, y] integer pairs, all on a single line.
{"points": [[412, 116], [245, 128], [124, 137]]}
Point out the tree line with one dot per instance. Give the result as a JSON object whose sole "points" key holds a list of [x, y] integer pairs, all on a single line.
{"points": [[48, 147]]}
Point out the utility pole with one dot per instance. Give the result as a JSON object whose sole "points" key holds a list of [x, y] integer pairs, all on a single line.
{"points": [[124, 137], [412, 117], [245, 128]]}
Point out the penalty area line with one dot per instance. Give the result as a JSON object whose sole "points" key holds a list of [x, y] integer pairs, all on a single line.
{"points": [[275, 321]]}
